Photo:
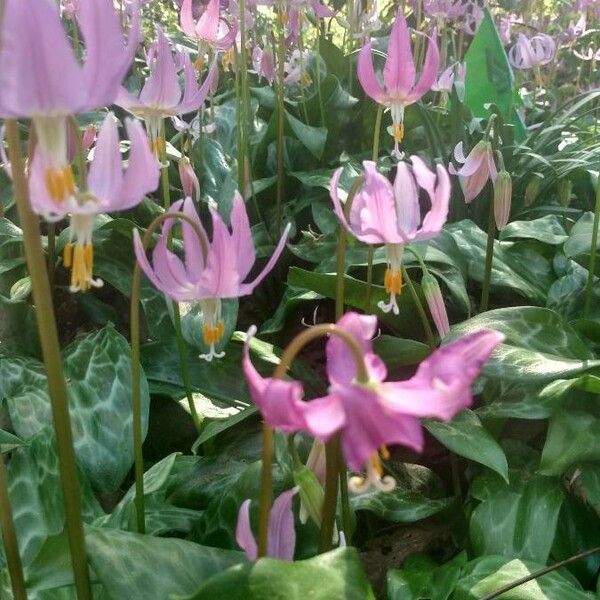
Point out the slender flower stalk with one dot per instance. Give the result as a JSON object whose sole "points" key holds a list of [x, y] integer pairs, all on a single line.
{"points": [[57, 389], [489, 258], [9, 538], [134, 318], [589, 288], [280, 118]]}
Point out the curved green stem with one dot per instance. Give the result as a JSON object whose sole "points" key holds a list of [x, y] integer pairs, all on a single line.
{"points": [[9, 538], [57, 388], [489, 259], [266, 482], [185, 374], [589, 287], [420, 309], [136, 403]]}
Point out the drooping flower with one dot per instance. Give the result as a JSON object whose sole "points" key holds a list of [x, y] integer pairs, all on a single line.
{"points": [[109, 189], [528, 53], [575, 29], [189, 180], [299, 11], [369, 416], [476, 169], [391, 215], [443, 10], [162, 96], [281, 540], [211, 270], [400, 87], [362, 20], [41, 78], [452, 77], [210, 31]]}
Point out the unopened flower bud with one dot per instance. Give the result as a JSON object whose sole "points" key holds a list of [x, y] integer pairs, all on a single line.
{"points": [[189, 180], [565, 187], [502, 198], [532, 189], [89, 136], [435, 302], [311, 495]]}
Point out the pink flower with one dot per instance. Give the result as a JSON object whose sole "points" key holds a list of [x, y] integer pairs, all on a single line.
{"points": [[281, 540], [435, 302], [109, 189], [477, 168], [444, 9], [211, 270], [391, 215], [400, 87], [210, 29], [452, 77], [161, 96], [532, 52], [372, 415], [262, 61], [41, 78]]}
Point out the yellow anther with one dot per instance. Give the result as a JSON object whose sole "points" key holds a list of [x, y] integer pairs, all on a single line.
{"points": [[398, 132], [392, 281], [384, 452], [377, 464], [68, 255], [60, 183], [80, 259], [228, 58], [212, 334]]}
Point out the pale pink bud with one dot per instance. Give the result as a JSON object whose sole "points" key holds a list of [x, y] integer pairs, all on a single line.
{"points": [[502, 198], [189, 180], [89, 136], [435, 301]]}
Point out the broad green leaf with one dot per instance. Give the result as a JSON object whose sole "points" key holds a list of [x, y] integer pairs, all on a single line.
{"points": [[572, 434], [9, 441], [548, 230], [516, 267], [539, 345], [398, 352], [399, 505], [312, 138], [130, 565], [337, 574], [489, 573], [578, 246], [36, 493], [98, 371], [517, 519], [466, 436]]}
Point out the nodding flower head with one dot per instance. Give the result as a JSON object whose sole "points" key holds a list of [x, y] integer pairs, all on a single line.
{"points": [[211, 270], [536, 51], [382, 213], [55, 194], [400, 87]]}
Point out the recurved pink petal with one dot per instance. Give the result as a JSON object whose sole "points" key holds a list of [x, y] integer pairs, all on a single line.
{"points": [[243, 531], [324, 416], [192, 243], [105, 176], [431, 64], [241, 236], [38, 70], [436, 217], [406, 195], [207, 27], [247, 288], [161, 89], [194, 96], [366, 75], [186, 19], [281, 541], [143, 172], [399, 70]]}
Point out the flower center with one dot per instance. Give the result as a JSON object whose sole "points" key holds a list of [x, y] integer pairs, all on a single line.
{"points": [[213, 328], [60, 182], [79, 256], [392, 281], [375, 475]]}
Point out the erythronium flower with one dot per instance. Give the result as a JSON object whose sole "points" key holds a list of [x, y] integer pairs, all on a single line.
{"points": [[211, 31], [442, 10], [453, 76], [362, 20], [400, 87], [382, 213], [373, 415], [108, 189], [263, 63], [281, 540], [575, 30], [211, 270], [162, 95], [528, 53], [477, 168], [40, 77]]}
